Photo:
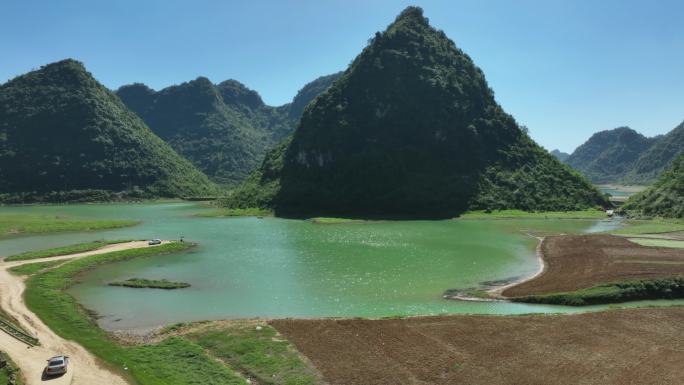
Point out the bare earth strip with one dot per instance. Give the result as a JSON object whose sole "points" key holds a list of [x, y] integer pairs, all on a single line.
{"points": [[620, 347], [573, 262], [84, 368]]}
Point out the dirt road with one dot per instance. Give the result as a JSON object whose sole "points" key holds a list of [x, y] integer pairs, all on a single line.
{"points": [[84, 368]]}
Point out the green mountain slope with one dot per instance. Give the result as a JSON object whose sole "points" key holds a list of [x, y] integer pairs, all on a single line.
{"points": [[665, 198], [608, 156], [309, 93], [61, 130], [411, 129], [224, 129], [657, 157]]}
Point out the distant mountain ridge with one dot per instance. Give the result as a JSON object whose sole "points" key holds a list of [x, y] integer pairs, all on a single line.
{"points": [[562, 156], [625, 156], [609, 155], [224, 129], [66, 136], [411, 129]]}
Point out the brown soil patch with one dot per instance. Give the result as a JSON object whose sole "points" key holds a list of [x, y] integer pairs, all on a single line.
{"points": [[579, 261], [637, 346]]}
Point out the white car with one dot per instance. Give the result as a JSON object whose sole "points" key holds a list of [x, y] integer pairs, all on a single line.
{"points": [[56, 365], [153, 242]]}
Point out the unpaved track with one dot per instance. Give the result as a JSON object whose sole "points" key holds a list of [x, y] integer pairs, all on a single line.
{"points": [[84, 368]]}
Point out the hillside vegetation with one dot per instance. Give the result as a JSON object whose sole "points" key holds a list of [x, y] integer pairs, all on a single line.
{"points": [[411, 129], [13, 224], [665, 198], [658, 157], [223, 129], [62, 131]]}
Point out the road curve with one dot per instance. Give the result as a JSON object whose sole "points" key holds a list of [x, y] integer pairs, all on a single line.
{"points": [[84, 368]]}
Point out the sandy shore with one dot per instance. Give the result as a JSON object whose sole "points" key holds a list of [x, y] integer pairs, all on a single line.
{"points": [[497, 291], [84, 368]]}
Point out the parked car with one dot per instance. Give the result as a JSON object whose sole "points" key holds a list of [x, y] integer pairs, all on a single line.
{"points": [[56, 365], [153, 242]]}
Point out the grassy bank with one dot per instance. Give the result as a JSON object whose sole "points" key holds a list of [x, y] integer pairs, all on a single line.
{"points": [[65, 250], [32, 224], [655, 226], [226, 212], [173, 361], [150, 283], [519, 214], [653, 242], [666, 288], [10, 373], [257, 353]]}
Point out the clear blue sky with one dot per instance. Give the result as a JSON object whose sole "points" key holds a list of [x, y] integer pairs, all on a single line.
{"points": [[564, 68]]}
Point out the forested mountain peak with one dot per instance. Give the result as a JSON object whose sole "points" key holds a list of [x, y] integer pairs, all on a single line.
{"points": [[138, 97], [410, 129], [235, 92], [67, 72], [62, 127]]}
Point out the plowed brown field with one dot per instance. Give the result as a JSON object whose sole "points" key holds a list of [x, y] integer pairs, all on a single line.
{"points": [[580, 261], [637, 346]]}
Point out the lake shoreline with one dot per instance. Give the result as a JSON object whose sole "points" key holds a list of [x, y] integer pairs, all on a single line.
{"points": [[494, 294]]}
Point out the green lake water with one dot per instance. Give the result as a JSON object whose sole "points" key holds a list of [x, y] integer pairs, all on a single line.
{"points": [[250, 267]]}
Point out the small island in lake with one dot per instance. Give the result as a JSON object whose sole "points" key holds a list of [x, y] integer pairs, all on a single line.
{"points": [[150, 284]]}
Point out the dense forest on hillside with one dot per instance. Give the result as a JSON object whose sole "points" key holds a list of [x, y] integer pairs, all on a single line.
{"points": [[411, 129], [224, 129], [625, 156], [64, 136], [665, 198]]}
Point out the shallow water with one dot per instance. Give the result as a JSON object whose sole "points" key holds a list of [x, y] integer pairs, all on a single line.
{"points": [[250, 267]]}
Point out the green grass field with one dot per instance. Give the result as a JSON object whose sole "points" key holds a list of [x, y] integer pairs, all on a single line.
{"points": [[9, 371], [519, 214], [28, 224], [65, 250], [142, 283], [658, 242], [655, 226], [665, 288], [256, 352]]}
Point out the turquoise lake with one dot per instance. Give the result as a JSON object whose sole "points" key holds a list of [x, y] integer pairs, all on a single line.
{"points": [[274, 268]]}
